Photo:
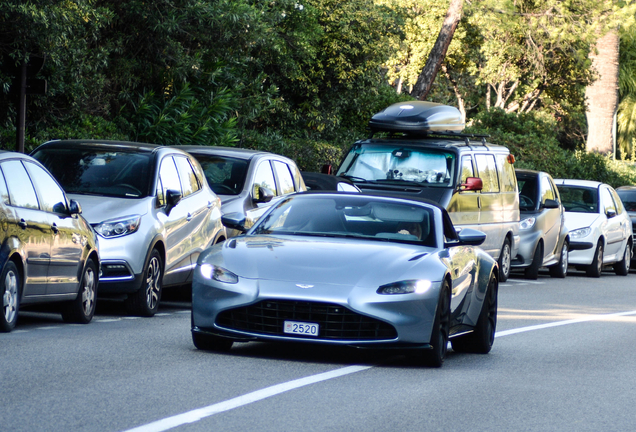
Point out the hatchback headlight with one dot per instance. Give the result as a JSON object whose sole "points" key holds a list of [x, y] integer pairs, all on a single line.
{"points": [[580, 233], [527, 223], [406, 287], [217, 273], [118, 227]]}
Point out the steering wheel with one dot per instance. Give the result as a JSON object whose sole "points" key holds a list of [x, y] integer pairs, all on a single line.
{"points": [[524, 201], [572, 206], [129, 186], [220, 188]]}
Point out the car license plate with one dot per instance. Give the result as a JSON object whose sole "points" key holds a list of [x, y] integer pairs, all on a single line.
{"points": [[301, 328]]}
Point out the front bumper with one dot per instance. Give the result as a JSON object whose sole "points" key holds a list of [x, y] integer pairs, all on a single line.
{"points": [[527, 245]]}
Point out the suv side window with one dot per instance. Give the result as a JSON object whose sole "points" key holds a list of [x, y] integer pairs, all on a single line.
{"points": [[284, 177], [546, 190], [169, 179], [467, 170], [19, 184], [188, 178], [264, 177], [52, 198], [488, 172], [508, 177], [607, 200]]}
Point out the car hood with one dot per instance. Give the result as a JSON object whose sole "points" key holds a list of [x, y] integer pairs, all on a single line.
{"points": [[322, 260], [97, 209], [574, 220]]}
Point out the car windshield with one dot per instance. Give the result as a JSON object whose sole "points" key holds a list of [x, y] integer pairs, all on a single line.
{"points": [[628, 197], [399, 164], [225, 175], [89, 171], [579, 199], [351, 216]]}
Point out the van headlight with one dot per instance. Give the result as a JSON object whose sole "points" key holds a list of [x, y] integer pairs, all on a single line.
{"points": [[580, 233], [217, 273], [118, 227]]}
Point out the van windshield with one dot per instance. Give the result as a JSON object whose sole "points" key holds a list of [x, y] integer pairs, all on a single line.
{"points": [[387, 164]]}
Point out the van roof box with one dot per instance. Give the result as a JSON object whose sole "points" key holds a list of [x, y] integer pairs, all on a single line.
{"points": [[417, 117]]}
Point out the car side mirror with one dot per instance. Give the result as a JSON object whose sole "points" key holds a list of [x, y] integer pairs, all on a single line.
{"points": [[470, 237], [610, 213], [326, 169], [74, 208], [173, 197], [234, 221], [264, 195], [550, 204], [472, 184]]}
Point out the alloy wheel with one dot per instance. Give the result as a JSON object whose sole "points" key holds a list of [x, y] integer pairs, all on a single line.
{"points": [[153, 274], [564, 258], [88, 291], [10, 296]]}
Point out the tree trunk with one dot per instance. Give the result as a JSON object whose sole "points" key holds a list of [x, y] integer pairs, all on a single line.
{"points": [[436, 57], [602, 95]]}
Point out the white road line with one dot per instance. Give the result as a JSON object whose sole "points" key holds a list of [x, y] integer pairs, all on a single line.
{"points": [[198, 414], [525, 282], [46, 328], [201, 413], [561, 323], [163, 314], [107, 320]]}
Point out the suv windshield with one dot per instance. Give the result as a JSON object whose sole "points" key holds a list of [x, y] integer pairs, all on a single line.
{"points": [[392, 163], [98, 172]]}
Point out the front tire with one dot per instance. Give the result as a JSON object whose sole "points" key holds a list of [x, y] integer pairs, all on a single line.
{"points": [[10, 297], [532, 272], [206, 342], [621, 268], [505, 258], [596, 268], [435, 356], [560, 269], [82, 309], [481, 339], [145, 302]]}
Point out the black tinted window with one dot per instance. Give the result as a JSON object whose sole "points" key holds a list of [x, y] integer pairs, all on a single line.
{"points": [[225, 175], [99, 171], [21, 190]]}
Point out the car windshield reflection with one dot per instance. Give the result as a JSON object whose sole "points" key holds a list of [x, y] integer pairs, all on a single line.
{"points": [[94, 172], [351, 217]]}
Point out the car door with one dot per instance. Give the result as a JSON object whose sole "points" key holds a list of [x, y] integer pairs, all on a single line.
{"points": [[614, 226], [67, 244], [551, 217], [177, 267], [33, 230]]}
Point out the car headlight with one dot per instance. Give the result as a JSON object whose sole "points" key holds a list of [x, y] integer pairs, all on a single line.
{"points": [[527, 223], [118, 227], [406, 287], [580, 233], [217, 273]]}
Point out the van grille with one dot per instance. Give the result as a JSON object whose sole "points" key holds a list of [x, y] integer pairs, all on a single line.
{"points": [[336, 322]]}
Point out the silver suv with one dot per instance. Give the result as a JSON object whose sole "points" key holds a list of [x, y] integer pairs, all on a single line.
{"points": [[150, 206]]}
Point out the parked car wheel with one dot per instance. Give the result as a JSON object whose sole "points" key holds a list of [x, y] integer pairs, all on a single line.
{"points": [[441, 328], [480, 341], [211, 343], [10, 297], [82, 309], [621, 268], [532, 272], [595, 269], [560, 269], [145, 302], [504, 260]]}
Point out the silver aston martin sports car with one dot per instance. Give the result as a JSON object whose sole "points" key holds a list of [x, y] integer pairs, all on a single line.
{"points": [[348, 269]]}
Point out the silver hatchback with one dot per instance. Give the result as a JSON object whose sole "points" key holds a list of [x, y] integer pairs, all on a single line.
{"points": [[150, 206]]}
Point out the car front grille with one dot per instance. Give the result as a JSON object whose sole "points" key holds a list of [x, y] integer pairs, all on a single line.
{"points": [[336, 322]]}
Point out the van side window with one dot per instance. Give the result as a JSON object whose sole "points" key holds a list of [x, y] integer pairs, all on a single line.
{"points": [[488, 172], [467, 170], [508, 177]]}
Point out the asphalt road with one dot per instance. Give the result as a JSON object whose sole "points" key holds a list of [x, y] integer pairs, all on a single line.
{"points": [[564, 360]]}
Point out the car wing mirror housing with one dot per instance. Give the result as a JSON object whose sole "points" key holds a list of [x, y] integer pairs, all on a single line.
{"points": [[472, 184], [74, 207], [550, 204], [470, 237], [173, 197], [264, 195], [610, 213], [234, 221]]}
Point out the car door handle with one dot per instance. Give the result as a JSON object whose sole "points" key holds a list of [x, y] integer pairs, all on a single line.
{"points": [[22, 224], [54, 228], [189, 217]]}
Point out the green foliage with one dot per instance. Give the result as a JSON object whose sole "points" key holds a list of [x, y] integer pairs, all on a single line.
{"points": [[532, 139]]}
